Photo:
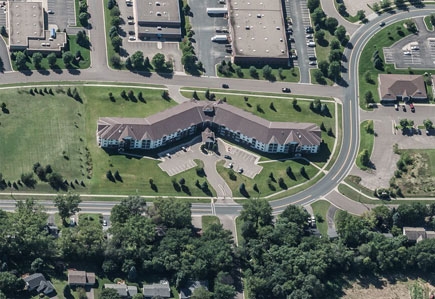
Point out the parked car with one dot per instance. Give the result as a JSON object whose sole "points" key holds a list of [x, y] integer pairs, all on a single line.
{"points": [[309, 29], [396, 107], [50, 12], [312, 57], [104, 222], [415, 48], [130, 17], [225, 86], [411, 105], [285, 89], [131, 38], [312, 63], [240, 170], [407, 53], [227, 157], [404, 108]]}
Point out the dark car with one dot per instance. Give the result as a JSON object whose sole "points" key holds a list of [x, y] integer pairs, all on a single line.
{"points": [[312, 58], [227, 157], [285, 89], [130, 17], [382, 24], [309, 29], [225, 86], [411, 105]]}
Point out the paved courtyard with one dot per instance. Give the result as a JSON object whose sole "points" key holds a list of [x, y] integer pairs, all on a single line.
{"points": [[385, 119]]}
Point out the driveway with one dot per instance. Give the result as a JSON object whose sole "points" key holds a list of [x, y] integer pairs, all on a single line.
{"points": [[382, 156]]}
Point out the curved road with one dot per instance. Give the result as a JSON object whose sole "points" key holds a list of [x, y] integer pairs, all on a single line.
{"points": [[349, 97]]}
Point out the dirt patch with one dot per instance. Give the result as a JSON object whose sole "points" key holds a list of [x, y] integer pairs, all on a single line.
{"points": [[389, 289], [418, 179]]}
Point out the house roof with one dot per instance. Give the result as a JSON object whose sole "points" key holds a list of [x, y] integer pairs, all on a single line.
{"points": [[417, 233], [33, 281], [45, 287], [76, 277], [122, 289], [161, 289], [391, 86], [187, 292], [194, 112]]}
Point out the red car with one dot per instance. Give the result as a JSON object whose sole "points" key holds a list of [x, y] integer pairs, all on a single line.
{"points": [[411, 105]]}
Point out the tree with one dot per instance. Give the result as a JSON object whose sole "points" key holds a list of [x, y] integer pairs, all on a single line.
{"points": [[20, 60], [323, 67], [67, 205], [158, 61], [83, 18], [335, 55], [132, 274], [313, 4], [28, 180], [37, 58], [318, 76], [56, 181], [3, 31], [67, 58], [368, 97], [172, 213], [361, 15], [10, 284], [334, 70], [137, 59], [115, 59], [109, 294], [51, 58], [115, 12], [334, 44], [257, 213], [267, 72], [320, 36], [431, 17], [37, 265], [318, 17], [129, 207], [253, 71], [331, 24], [364, 157], [428, 124], [404, 123], [340, 33], [116, 21], [116, 43], [201, 293]]}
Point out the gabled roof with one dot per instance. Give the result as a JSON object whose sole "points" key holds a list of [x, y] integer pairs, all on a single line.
{"points": [[33, 281], [81, 277], [417, 233], [192, 112], [391, 86], [122, 289], [161, 289]]}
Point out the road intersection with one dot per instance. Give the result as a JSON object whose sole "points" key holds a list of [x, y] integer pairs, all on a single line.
{"points": [[348, 93]]}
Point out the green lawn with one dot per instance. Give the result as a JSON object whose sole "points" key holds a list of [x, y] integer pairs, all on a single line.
{"points": [[288, 74], [107, 25], [384, 38], [428, 23], [367, 141], [91, 219], [320, 208], [57, 130], [326, 81], [267, 184], [239, 223], [209, 220]]}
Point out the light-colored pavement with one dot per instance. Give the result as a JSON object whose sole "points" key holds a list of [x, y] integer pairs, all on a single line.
{"points": [[329, 9], [352, 6], [332, 232], [343, 203], [385, 118]]}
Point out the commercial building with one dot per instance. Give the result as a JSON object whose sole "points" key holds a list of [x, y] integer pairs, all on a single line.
{"points": [[27, 29], [406, 88], [258, 34], [159, 19], [193, 117]]}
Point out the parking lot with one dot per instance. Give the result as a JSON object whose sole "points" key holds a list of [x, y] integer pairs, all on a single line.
{"points": [[63, 13], [385, 118], [416, 51], [242, 161], [204, 26], [149, 47]]}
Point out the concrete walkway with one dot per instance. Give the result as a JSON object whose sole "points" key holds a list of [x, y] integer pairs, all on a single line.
{"points": [[344, 203], [330, 214], [175, 94]]}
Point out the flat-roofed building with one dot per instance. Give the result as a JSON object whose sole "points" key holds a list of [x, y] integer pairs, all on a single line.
{"points": [[27, 29], [159, 19], [258, 34]]}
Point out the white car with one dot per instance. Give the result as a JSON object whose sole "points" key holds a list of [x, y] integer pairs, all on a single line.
{"points": [[312, 63], [104, 222], [131, 38], [415, 48], [407, 53], [309, 36]]}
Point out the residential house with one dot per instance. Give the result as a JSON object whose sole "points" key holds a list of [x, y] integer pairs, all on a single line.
{"points": [[123, 290], [192, 117], [37, 282], [187, 292], [417, 234], [406, 88], [161, 290], [80, 278]]}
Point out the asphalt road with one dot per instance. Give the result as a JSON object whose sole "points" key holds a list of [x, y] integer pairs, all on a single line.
{"points": [[349, 148]]}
